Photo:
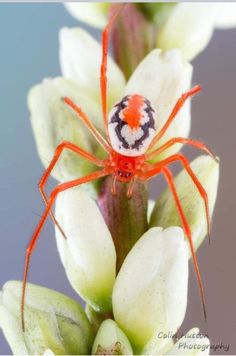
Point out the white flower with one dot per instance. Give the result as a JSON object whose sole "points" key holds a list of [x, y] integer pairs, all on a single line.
{"points": [[50, 319], [150, 292], [88, 254], [162, 77]]}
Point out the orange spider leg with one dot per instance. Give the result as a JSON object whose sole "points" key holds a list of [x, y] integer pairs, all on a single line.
{"points": [[60, 188], [170, 180], [174, 112], [113, 185], [103, 70], [88, 123], [174, 140], [57, 154], [202, 192], [130, 188]]}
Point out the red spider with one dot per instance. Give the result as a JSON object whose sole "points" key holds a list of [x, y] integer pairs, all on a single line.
{"points": [[130, 137]]}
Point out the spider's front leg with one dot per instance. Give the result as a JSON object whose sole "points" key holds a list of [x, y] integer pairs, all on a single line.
{"points": [[60, 188], [59, 150], [174, 112], [194, 143]]}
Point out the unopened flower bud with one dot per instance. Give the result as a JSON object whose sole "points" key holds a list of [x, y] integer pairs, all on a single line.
{"points": [[150, 292], [111, 340], [88, 254], [52, 322], [165, 213]]}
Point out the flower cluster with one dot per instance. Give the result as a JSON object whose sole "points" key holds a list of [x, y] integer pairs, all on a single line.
{"points": [[138, 309]]}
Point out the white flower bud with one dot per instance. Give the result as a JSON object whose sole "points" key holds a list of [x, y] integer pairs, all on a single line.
{"points": [[50, 320], [191, 344], [165, 212], [189, 28], [80, 58], [111, 340], [226, 17], [53, 122], [92, 13], [88, 254], [150, 292]]}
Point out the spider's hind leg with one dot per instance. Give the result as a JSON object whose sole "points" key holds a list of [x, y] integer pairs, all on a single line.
{"points": [[170, 180]]}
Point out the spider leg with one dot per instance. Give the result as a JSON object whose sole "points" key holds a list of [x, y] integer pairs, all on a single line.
{"points": [[130, 188], [170, 180], [60, 188], [88, 123], [174, 112], [199, 145], [187, 167], [103, 70], [113, 186], [161, 168], [57, 154]]}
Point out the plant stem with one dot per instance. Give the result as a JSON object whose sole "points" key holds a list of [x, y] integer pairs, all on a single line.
{"points": [[126, 218]]}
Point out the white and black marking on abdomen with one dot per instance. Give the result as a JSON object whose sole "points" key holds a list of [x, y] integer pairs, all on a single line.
{"points": [[128, 140]]}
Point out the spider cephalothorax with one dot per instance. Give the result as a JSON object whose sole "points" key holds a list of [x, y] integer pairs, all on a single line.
{"points": [[131, 125], [130, 144]]}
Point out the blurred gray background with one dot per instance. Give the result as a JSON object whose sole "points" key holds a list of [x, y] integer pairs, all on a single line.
{"points": [[28, 53]]}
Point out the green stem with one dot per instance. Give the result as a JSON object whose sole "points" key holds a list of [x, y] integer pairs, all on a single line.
{"points": [[126, 218], [132, 37]]}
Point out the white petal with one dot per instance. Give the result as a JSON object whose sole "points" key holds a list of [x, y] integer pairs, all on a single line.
{"points": [[53, 122], [150, 292], [94, 14], [192, 343], [80, 58], [226, 17], [189, 28], [88, 254], [163, 77]]}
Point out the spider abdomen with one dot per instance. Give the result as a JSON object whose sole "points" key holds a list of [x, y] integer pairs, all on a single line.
{"points": [[132, 125]]}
